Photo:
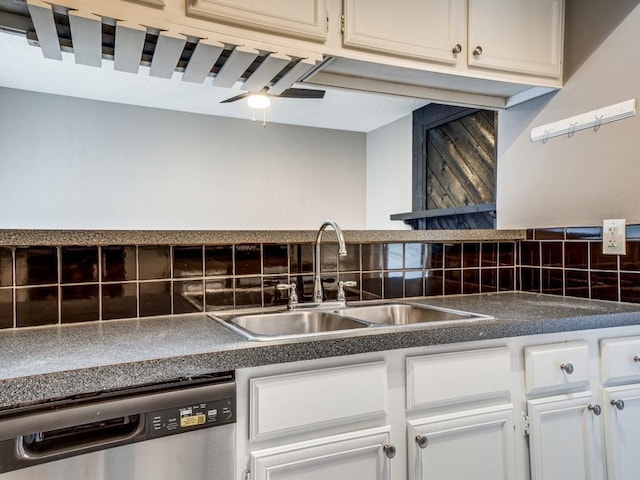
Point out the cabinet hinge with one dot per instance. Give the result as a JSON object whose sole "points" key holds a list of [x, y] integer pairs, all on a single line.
{"points": [[246, 475], [342, 23], [525, 425]]}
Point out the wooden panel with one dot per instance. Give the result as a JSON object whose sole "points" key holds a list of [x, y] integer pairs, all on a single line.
{"points": [[44, 23], [461, 162], [167, 54], [202, 61], [456, 378], [307, 401], [237, 63], [86, 32], [268, 69], [128, 46], [298, 70]]}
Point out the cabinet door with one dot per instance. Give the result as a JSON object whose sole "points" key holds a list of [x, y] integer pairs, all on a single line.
{"points": [[562, 440], [521, 36], [353, 456], [622, 432], [298, 18], [425, 29], [463, 445]]}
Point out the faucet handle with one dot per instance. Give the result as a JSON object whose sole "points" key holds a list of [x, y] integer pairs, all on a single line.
{"points": [[293, 294], [341, 295]]}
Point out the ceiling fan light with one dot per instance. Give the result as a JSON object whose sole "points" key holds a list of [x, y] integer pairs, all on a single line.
{"points": [[258, 101]]}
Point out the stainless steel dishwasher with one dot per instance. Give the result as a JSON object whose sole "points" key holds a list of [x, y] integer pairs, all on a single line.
{"points": [[181, 429]]}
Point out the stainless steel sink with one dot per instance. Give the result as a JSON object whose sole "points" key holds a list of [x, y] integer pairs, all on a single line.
{"points": [[302, 323], [407, 314]]}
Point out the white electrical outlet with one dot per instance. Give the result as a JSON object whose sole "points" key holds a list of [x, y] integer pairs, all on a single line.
{"points": [[614, 237]]}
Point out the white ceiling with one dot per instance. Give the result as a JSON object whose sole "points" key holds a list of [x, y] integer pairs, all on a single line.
{"points": [[23, 67]]}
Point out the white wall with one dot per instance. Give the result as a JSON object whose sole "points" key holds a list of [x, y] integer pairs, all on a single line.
{"points": [[592, 175], [68, 163], [389, 174]]}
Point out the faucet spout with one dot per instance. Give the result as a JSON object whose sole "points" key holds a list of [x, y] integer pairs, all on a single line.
{"points": [[342, 251]]}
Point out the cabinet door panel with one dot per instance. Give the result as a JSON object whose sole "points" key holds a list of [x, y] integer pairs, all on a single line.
{"points": [[427, 29], [353, 456], [518, 36], [622, 433], [562, 441], [458, 377], [299, 18], [307, 401], [619, 364], [544, 372], [463, 445]]}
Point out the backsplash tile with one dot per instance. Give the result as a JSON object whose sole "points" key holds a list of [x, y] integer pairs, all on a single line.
{"points": [[275, 259], [154, 298], [79, 264], [219, 294], [188, 262], [67, 284], [119, 300], [79, 303], [248, 259], [372, 257], [471, 255], [350, 262], [187, 296], [154, 262], [118, 263], [36, 306], [301, 258], [6, 267], [36, 265], [6, 307]]}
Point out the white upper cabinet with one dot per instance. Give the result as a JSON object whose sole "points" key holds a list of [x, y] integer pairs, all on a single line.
{"points": [[522, 36], [305, 19], [422, 29]]}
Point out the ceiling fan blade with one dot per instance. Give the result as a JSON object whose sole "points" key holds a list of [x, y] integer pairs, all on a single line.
{"points": [[237, 97], [302, 93]]}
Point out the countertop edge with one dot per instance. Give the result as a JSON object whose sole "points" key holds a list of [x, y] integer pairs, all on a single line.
{"points": [[31, 388]]}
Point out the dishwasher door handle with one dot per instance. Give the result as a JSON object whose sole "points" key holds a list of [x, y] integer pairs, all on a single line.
{"points": [[77, 439]]}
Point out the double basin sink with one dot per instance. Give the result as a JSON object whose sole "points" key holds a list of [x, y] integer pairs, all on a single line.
{"points": [[303, 323]]}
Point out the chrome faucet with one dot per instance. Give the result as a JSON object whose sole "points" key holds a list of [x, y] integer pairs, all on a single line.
{"points": [[342, 251]]}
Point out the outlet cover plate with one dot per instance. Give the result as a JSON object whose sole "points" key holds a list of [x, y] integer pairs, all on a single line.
{"points": [[614, 238]]}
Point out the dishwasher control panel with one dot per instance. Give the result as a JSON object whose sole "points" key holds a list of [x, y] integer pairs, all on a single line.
{"points": [[191, 417]]}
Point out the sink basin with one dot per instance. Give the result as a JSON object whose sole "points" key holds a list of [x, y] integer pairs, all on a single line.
{"points": [[271, 326], [406, 314]]}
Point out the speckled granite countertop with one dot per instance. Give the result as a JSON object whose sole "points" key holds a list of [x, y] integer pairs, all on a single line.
{"points": [[199, 237], [38, 364]]}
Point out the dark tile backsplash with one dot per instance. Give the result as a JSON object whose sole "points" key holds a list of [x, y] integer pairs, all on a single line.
{"points": [[68, 284]]}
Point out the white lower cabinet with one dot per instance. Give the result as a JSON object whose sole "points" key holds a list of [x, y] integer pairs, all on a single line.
{"points": [[463, 445], [622, 431], [562, 441], [519, 409], [362, 455]]}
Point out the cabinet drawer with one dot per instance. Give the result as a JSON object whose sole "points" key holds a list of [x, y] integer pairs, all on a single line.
{"points": [[459, 377], [307, 401], [557, 367], [620, 360]]}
